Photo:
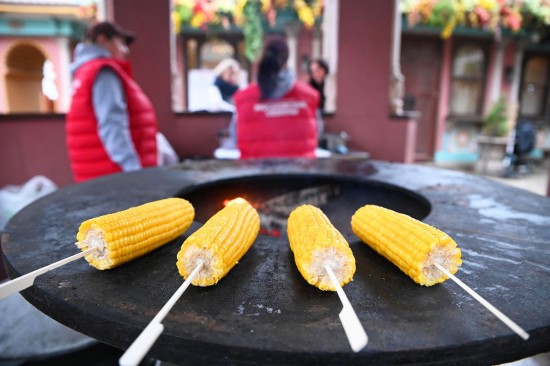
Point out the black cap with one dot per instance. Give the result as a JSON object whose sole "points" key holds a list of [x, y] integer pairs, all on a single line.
{"points": [[109, 30]]}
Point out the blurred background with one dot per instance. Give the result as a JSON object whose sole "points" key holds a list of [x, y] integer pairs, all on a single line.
{"points": [[458, 84]]}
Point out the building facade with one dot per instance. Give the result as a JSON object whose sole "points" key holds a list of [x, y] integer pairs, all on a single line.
{"points": [[457, 80], [36, 43], [452, 82]]}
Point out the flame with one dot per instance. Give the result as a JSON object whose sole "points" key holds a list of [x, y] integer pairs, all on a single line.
{"points": [[228, 202]]}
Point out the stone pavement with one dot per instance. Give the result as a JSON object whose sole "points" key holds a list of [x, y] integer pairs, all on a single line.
{"points": [[536, 180]]}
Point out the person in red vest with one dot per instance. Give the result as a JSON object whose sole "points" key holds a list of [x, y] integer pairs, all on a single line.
{"points": [[111, 125], [278, 115]]}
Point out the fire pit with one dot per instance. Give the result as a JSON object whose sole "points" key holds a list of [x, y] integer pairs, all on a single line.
{"points": [[263, 312], [275, 196]]}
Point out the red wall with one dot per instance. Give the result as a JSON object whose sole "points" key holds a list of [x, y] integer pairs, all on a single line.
{"points": [[364, 62], [33, 146]]}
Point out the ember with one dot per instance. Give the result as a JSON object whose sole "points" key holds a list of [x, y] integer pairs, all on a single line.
{"points": [[274, 212]]}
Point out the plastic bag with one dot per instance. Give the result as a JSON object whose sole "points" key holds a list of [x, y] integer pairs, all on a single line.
{"points": [[13, 198], [165, 152]]}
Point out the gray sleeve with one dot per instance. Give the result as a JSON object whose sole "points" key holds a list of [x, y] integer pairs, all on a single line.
{"points": [[232, 129], [320, 123], [112, 116]]}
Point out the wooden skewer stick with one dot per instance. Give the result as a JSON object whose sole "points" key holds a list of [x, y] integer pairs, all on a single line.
{"points": [[509, 322], [357, 336], [143, 343], [25, 281]]}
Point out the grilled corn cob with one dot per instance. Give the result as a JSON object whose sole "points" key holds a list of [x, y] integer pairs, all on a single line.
{"points": [[220, 243], [126, 235], [411, 245], [315, 242]]}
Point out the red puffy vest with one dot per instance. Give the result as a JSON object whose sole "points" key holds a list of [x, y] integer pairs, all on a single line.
{"points": [[285, 127], [86, 152]]}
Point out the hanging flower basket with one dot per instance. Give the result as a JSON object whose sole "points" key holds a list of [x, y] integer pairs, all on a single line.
{"points": [[252, 17], [497, 16]]}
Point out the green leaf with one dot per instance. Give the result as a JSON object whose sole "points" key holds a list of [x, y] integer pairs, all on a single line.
{"points": [[252, 30]]}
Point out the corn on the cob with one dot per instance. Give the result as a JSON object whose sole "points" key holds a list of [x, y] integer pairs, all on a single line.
{"points": [[220, 243], [315, 242], [411, 245], [126, 235]]}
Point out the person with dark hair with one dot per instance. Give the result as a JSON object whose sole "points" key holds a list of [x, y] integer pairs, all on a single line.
{"points": [[276, 116], [318, 71], [226, 84], [111, 125]]}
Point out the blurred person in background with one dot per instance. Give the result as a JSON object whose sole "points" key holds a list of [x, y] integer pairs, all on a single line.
{"points": [[111, 125], [318, 71], [220, 94], [277, 115]]}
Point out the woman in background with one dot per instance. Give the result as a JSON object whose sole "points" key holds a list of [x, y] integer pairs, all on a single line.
{"points": [[276, 116], [220, 94], [318, 71]]}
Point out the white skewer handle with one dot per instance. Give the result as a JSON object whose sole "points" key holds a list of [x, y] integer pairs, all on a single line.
{"points": [[355, 332], [25, 281], [143, 343], [509, 322]]}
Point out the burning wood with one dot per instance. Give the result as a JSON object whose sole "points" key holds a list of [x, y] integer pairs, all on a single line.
{"points": [[275, 211]]}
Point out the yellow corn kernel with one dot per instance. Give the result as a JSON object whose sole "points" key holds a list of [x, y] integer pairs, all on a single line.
{"points": [[411, 245], [126, 235], [316, 242], [220, 243]]}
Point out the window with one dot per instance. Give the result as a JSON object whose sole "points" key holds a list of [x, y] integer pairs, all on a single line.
{"points": [[196, 46], [467, 80], [534, 87], [201, 54]]}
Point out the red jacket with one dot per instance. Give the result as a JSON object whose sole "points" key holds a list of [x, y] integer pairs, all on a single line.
{"points": [[285, 127], [86, 152]]}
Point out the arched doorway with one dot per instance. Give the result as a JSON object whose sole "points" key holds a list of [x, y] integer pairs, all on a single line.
{"points": [[23, 79]]}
